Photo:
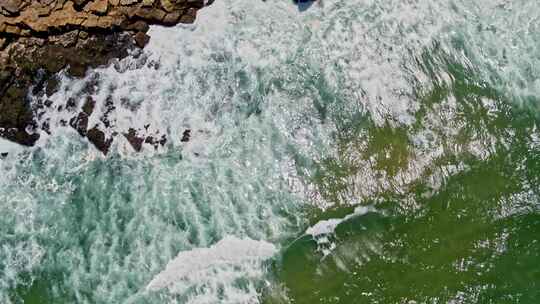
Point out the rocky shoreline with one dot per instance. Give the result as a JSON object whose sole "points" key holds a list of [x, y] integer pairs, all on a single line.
{"points": [[38, 39]]}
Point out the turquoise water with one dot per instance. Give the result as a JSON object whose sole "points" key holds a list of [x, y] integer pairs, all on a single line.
{"points": [[423, 112]]}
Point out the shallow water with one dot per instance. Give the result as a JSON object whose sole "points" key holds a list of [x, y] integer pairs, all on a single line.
{"points": [[424, 111]]}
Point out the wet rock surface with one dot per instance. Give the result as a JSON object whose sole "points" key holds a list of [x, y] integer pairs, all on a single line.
{"points": [[38, 39]]}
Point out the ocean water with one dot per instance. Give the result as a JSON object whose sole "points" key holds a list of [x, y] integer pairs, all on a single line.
{"points": [[351, 152]]}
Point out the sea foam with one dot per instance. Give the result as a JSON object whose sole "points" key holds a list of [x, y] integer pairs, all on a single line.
{"points": [[222, 265]]}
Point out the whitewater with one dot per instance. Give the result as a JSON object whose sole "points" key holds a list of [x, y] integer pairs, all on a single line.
{"points": [[293, 115]]}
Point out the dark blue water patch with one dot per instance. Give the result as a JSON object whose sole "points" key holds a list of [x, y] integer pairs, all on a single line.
{"points": [[304, 5]]}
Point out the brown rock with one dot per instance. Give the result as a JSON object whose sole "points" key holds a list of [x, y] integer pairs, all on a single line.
{"points": [[80, 123], [11, 6], [171, 18], [83, 34], [150, 14], [139, 26], [128, 2], [147, 3], [168, 5], [189, 16], [51, 35], [141, 39], [99, 7], [98, 139], [88, 106], [135, 140]]}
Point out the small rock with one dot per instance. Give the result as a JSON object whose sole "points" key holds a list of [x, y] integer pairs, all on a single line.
{"points": [[89, 105], [186, 135], [83, 35], [152, 141], [135, 140], [189, 16], [80, 123], [98, 139], [46, 126], [71, 103], [163, 140], [141, 39]]}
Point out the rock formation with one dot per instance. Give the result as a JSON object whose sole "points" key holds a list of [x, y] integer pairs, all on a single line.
{"points": [[39, 38]]}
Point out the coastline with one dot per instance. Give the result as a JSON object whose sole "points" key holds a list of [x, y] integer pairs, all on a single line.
{"points": [[38, 39]]}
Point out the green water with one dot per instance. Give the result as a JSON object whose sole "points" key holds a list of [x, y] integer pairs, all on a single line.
{"points": [[474, 240], [452, 248], [425, 111]]}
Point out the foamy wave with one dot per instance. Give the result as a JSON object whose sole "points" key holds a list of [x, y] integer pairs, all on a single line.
{"points": [[263, 88], [220, 267], [323, 231]]}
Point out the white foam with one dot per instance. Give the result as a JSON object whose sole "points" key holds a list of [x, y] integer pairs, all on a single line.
{"points": [[7, 146], [324, 227], [322, 232], [329, 226], [238, 54], [220, 265]]}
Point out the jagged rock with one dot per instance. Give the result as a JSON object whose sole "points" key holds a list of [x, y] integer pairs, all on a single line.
{"points": [[98, 139], [80, 123], [161, 142], [15, 118], [51, 35], [186, 135], [141, 39], [135, 140], [30, 55], [88, 106], [189, 16]]}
